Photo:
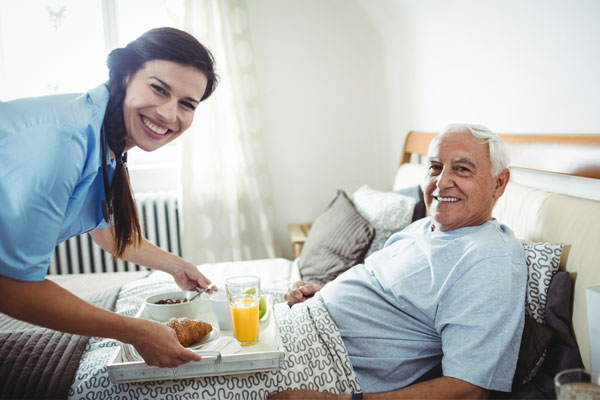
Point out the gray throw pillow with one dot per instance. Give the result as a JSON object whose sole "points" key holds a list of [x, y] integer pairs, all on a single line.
{"points": [[338, 239]]}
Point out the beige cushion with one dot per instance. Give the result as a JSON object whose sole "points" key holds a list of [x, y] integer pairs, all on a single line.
{"points": [[541, 216], [409, 175]]}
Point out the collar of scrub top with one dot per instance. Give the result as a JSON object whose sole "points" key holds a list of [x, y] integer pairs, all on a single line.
{"points": [[121, 159]]}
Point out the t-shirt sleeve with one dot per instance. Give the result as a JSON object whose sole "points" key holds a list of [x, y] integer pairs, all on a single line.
{"points": [[40, 166], [480, 320]]}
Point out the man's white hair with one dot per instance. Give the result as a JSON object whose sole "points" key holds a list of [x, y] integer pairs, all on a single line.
{"points": [[498, 151]]}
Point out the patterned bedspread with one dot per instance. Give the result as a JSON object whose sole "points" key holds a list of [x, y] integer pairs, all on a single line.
{"points": [[315, 358], [36, 362]]}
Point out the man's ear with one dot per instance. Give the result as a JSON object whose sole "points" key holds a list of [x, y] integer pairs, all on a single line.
{"points": [[501, 181]]}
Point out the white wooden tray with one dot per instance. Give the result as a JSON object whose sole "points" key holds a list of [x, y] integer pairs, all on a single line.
{"points": [[267, 354]]}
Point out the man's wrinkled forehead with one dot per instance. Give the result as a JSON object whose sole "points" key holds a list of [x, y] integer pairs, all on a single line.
{"points": [[454, 160]]}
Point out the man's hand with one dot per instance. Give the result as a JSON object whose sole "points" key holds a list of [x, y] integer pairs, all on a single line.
{"points": [[300, 291], [158, 345], [306, 394]]}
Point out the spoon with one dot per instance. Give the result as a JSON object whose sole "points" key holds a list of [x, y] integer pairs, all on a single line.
{"points": [[202, 291]]}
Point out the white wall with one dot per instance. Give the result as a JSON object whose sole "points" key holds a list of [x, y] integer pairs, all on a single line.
{"points": [[342, 81], [513, 65], [324, 101]]}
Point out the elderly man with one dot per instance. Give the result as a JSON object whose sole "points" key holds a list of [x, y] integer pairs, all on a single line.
{"points": [[449, 289]]}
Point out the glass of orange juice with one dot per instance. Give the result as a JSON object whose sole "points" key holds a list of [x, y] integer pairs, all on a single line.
{"points": [[244, 295]]}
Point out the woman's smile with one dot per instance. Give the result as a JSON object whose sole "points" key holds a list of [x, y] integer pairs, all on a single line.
{"points": [[154, 129], [160, 102]]}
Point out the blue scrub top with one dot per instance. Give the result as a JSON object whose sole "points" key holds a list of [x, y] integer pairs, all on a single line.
{"points": [[51, 184]]}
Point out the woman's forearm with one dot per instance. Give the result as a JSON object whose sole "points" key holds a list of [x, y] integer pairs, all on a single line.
{"points": [[185, 274], [146, 254], [49, 305]]}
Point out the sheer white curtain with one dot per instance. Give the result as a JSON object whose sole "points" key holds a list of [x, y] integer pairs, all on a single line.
{"points": [[227, 214]]}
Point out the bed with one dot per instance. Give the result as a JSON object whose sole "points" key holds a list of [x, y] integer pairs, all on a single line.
{"points": [[42, 363]]}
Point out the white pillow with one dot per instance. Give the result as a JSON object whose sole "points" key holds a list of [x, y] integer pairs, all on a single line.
{"points": [[388, 212]]}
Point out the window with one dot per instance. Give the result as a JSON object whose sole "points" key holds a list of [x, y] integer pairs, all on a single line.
{"points": [[50, 47], [60, 46]]}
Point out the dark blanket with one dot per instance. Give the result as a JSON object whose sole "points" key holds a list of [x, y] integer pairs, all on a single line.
{"points": [[37, 362], [562, 351]]}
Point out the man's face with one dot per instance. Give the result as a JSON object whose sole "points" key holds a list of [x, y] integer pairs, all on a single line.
{"points": [[460, 189]]}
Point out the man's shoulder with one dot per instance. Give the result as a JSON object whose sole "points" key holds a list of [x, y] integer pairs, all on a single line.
{"points": [[491, 229], [495, 232], [495, 239]]}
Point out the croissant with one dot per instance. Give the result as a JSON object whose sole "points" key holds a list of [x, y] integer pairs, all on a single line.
{"points": [[188, 331]]}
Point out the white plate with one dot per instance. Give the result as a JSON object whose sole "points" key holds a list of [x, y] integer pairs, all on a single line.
{"points": [[209, 337], [132, 354]]}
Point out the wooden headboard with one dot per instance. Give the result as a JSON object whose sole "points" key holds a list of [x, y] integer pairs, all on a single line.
{"points": [[569, 154]]}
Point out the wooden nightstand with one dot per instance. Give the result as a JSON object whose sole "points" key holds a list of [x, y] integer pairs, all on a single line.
{"points": [[298, 234]]}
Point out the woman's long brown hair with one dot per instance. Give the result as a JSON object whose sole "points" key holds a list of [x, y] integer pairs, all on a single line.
{"points": [[157, 44]]}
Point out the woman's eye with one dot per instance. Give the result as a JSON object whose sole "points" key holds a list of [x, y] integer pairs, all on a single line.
{"points": [[187, 105], [158, 89]]}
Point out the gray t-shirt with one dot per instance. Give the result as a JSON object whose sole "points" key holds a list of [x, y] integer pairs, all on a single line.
{"points": [[455, 297]]}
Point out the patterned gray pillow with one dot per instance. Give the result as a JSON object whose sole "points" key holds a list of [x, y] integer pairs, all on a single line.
{"points": [[543, 260], [388, 212], [337, 240]]}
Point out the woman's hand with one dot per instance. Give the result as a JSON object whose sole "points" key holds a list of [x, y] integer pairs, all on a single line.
{"points": [[186, 274], [188, 277], [300, 291], [49, 305], [158, 345]]}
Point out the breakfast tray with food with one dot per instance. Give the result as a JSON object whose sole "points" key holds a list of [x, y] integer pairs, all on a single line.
{"points": [[221, 353]]}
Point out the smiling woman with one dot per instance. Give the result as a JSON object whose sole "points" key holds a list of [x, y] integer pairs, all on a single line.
{"points": [[78, 182], [160, 103], [138, 73]]}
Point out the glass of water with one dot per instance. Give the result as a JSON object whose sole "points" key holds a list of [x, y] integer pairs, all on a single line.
{"points": [[577, 384]]}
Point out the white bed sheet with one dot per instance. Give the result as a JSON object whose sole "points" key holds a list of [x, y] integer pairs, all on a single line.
{"points": [[275, 273]]}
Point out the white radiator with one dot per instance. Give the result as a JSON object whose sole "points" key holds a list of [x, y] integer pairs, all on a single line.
{"points": [[159, 218]]}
